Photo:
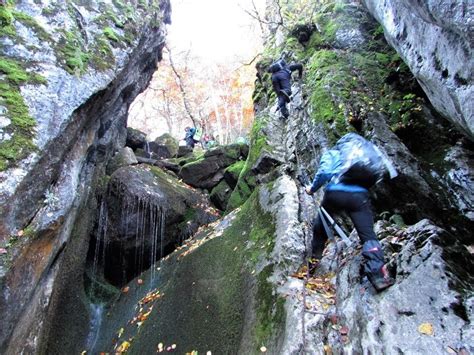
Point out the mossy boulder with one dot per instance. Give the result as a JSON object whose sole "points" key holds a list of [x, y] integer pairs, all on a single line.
{"points": [[220, 195], [135, 138], [140, 198], [247, 180], [231, 174], [169, 142], [208, 171], [123, 157]]}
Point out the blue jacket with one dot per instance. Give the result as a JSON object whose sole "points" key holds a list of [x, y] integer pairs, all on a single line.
{"points": [[330, 166], [190, 134]]}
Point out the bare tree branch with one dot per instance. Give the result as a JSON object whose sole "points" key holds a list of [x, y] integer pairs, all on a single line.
{"points": [[181, 88]]}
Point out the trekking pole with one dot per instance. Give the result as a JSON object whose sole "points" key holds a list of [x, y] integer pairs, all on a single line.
{"points": [[338, 229]]}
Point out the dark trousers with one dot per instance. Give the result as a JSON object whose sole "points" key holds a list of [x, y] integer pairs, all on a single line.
{"points": [[190, 142], [282, 101], [357, 206]]}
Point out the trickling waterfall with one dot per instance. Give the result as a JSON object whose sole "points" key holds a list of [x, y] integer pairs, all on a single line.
{"points": [[142, 226], [148, 152], [96, 311], [101, 242]]}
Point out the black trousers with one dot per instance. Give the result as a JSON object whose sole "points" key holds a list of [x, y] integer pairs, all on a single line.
{"points": [[357, 206], [282, 101]]}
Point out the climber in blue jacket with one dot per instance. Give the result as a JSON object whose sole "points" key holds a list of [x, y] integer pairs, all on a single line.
{"points": [[189, 137], [354, 200], [281, 81]]}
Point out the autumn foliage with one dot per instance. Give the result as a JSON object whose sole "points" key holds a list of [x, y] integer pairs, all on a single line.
{"points": [[186, 91]]}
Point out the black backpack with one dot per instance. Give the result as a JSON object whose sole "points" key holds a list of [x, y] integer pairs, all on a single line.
{"points": [[277, 66]]}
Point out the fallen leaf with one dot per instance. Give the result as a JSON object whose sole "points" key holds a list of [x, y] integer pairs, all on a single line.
{"points": [[20, 233], [125, 289], [327, 350], [120, 332], [426, 328], [84, 352], [123, 347]]}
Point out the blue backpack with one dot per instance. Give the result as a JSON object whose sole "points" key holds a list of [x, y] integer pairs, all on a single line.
{"points": [[361, 162]]}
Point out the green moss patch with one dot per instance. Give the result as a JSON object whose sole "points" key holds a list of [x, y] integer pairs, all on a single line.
{"points": [[246, 182], [21, 129], [72, 50]]}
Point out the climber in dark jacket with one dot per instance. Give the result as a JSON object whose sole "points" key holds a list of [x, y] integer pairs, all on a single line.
{"points": [[189, 137], [354, 200], [281, 81]]}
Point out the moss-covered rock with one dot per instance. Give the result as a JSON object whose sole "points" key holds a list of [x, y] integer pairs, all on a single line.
{"points": [[208, 170], [232, 173], [246, 182], [220, 195], [16, 138], [170, 142], [205, 293]]}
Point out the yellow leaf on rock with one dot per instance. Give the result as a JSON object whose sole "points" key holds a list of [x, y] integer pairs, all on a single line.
{"points": [[426, 328], [123, 347], [327, 350]]}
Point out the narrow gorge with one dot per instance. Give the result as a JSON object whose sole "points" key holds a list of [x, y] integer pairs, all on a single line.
{"points": [[110, 243]]}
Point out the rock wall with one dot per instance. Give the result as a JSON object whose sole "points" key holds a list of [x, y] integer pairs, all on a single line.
{"points": [[434, 38], [73, 69]]}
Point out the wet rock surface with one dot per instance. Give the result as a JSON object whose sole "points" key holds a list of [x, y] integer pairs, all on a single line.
{"points": [[147, 213]]}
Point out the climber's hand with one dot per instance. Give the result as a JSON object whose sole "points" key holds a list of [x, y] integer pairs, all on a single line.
{"points": [[308, 190]]}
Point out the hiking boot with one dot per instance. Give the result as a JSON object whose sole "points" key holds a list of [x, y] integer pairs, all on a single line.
{"points": [[381, 279], [312, 265]]}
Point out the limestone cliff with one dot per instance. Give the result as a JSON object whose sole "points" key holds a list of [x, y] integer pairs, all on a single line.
{"points": [[434, 38], [237, 286], [68, 72]]}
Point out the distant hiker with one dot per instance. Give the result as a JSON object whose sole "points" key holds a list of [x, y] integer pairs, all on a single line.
{"points": [[350, 168], [189, 137], [281, 81], [205, 141]]}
